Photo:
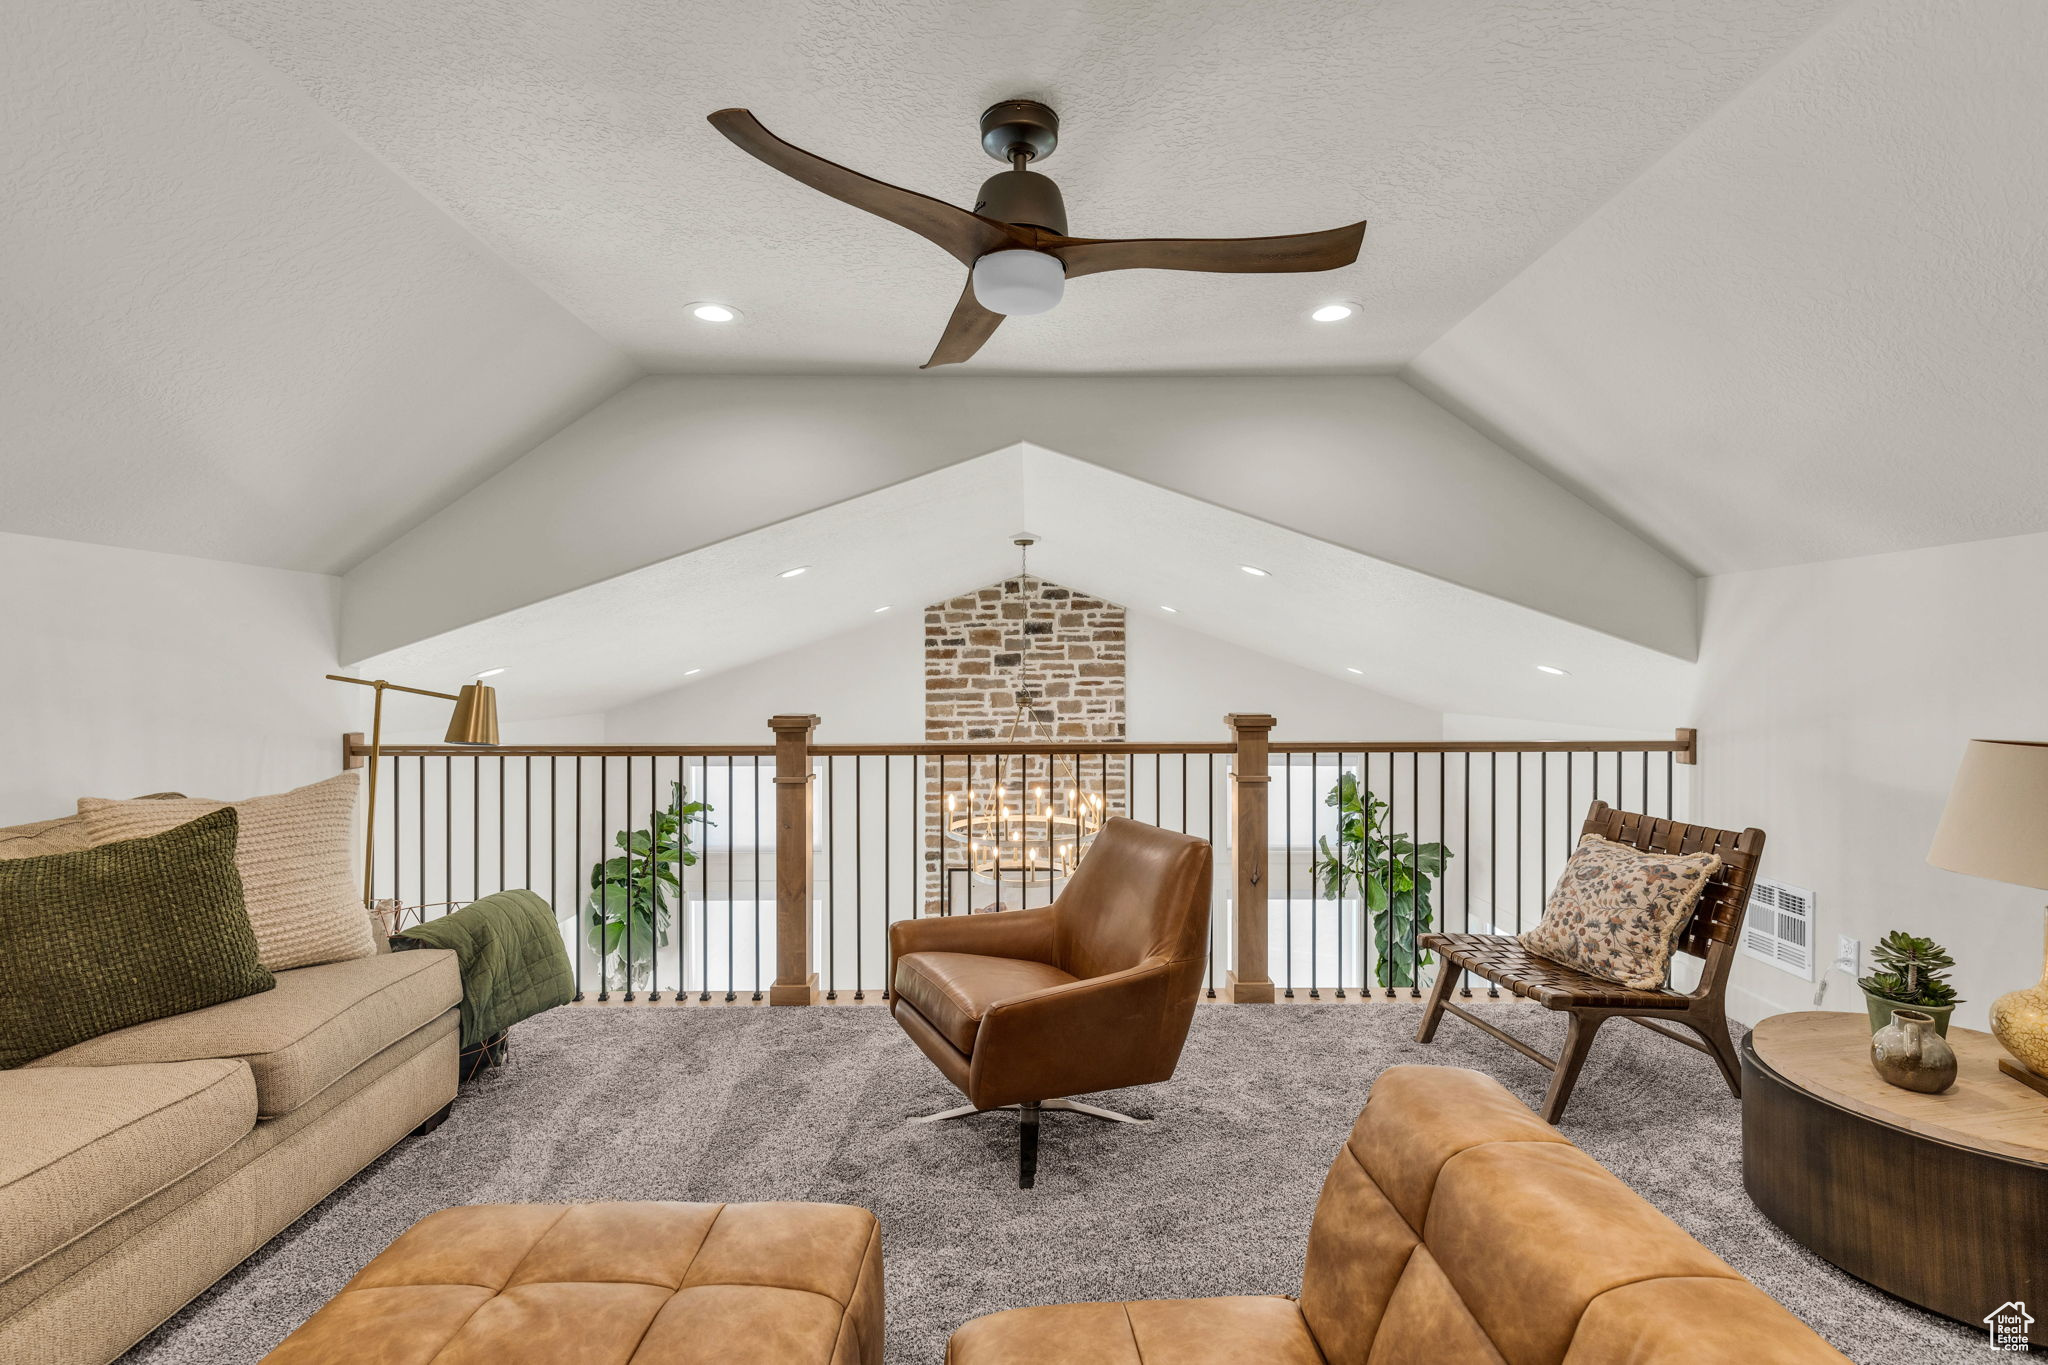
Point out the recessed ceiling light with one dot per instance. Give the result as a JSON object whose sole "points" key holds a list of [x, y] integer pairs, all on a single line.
{"points": [[1349, 669], [1554, 672], [691, 672], [797, 572], [1333, 312], [1254, 570], [714, 312], [880, 610], [490, 673], [1171, 610]]}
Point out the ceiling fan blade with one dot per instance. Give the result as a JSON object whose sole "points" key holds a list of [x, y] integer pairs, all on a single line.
{"points": [[1326, 250], [963, 235], [970, 326]]}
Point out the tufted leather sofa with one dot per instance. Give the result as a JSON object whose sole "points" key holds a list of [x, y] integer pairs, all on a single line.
{"points": [[1455, 1228]]}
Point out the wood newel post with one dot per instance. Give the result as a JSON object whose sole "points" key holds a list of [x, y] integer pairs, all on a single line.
{"points": [[795, 982], [1249, 981]]}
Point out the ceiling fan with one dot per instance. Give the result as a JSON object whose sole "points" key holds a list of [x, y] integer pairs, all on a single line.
{"points": [[1015, 241]]}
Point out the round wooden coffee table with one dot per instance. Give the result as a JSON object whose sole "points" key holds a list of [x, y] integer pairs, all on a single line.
{"points": [[1939, 1199]]}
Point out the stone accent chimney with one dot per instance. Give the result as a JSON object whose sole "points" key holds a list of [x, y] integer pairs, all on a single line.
{"points": [[1068, 647]]}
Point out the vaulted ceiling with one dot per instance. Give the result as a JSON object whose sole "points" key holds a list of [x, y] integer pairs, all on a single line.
{"points": [[1765, 280]]}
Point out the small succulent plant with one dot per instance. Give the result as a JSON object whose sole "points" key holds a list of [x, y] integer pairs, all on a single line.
{"points": [[1911, 971]]}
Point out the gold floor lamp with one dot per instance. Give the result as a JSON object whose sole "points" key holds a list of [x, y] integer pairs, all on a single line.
{"points": [[475, 722]]}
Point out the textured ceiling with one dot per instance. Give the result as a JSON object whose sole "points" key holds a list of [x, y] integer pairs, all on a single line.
{"points": [[572, 138], [228, 331], [1819, 327], [1324, 607]]}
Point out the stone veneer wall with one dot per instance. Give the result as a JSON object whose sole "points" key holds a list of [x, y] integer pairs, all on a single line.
{"points": [[1070, 650]]}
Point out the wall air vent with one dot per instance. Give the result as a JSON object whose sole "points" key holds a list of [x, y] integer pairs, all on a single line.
{"points": [[1779, 927]]}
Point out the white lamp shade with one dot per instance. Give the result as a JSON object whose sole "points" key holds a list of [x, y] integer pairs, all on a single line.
{"points": [[1018, 281], [1996, 822]]}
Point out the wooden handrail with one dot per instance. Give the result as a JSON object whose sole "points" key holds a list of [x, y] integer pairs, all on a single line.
{"points": [[1684, 746]]}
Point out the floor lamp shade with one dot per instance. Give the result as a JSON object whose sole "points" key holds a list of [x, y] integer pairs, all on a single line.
{"points": [[476, 716], [1996, 822]]}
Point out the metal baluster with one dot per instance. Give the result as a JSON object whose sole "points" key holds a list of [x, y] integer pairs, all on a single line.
{"points": [[1543, 824], [526, 834], [703, 880], [1209, 804], [1315, 898], [731, 887], [476, 821], [1415, 864], [604, 915], [420, 768], [501, 822], [1465, 842], [888, 844], [397, 828], [1287, 819], [575, 891], [1337, 841], [655, 895], [859, 887], [757, 877], [1493, 851], [626, 825], [832, 877]]}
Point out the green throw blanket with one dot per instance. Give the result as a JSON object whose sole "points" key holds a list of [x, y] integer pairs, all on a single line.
{"points": [[513, 962]]}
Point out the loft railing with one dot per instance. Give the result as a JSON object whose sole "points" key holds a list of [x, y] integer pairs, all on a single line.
{"points": [[729, 873]]}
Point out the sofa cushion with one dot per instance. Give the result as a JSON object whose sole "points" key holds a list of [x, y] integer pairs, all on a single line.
{"points": [[66, 834], [1169, 1332], [297, 858], [954, 990], [80, 1145], [318, 1025], [107, 938]]}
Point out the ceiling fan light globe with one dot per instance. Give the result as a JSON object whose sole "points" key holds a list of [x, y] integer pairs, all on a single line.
{"points": [[1019, 282]]}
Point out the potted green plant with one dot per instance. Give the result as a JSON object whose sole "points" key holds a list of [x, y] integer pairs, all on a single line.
{"points": [[1912, 974], [1394, 874], [634, 888]]}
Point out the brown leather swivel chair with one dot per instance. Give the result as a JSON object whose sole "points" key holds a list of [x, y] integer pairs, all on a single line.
{"points": [[1093, 992]]}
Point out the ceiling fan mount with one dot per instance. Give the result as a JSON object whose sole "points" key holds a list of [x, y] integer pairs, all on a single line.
{"points": [[1014, 241], [1013, 127]]}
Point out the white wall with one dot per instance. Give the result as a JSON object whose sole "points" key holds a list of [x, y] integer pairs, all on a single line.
{"points": [[673, 463], [128, 671], [1182, 683], [1834, 704], [868, 684]]}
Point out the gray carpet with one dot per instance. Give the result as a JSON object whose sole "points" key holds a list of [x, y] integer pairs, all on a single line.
{"points": [[694, 1103]]}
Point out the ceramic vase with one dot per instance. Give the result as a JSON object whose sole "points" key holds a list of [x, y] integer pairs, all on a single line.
{"points": [[2019, 1020], [1880, 1011], [1908, 1053]]}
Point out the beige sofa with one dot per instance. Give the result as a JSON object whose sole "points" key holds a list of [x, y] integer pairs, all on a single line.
{"points": [[139, 1167]]}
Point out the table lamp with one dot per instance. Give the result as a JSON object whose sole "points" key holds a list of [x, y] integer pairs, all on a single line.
{"points": [[475, 722], [1996, 825]]}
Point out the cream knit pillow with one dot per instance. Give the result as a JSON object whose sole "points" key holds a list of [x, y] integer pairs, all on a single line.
{"points": [[296, 854]]}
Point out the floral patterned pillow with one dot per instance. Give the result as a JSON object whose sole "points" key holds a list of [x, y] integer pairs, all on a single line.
{"points": [[1618, 912]]}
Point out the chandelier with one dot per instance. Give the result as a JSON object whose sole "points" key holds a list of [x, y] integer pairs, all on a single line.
{"points": [[1010, 828]]}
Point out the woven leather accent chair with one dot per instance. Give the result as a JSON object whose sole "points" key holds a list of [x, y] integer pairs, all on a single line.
{"points": [[1094, 992], [1591, 1001]]}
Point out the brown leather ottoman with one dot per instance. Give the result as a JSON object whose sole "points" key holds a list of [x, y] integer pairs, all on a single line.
{"points": [[623, 1284]]}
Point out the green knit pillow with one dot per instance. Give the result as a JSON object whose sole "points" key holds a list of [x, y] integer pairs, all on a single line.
{"points": [[106, 937]]}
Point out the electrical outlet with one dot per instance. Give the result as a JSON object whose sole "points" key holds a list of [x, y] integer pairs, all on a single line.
{"points": [[1850, 950]]}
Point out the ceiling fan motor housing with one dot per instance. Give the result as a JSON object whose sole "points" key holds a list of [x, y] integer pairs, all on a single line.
{"points": [[1025, 198]]}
